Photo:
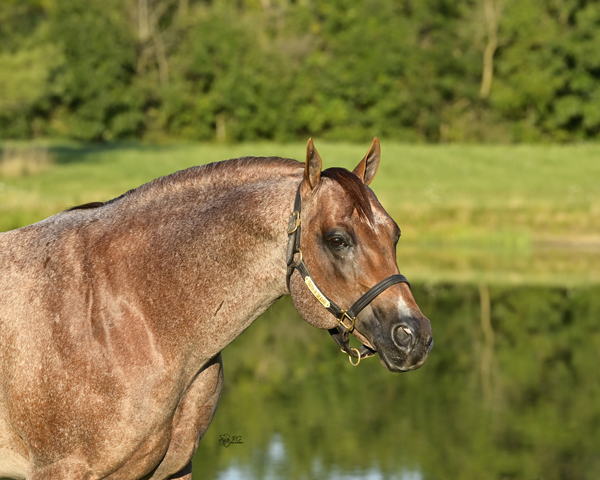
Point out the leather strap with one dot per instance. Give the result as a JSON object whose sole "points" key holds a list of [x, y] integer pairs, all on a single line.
{"points": [[360, 304], [373, 292], [294, 229]]}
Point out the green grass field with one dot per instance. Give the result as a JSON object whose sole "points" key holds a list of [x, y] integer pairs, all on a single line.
{"points": [[516, 214]]}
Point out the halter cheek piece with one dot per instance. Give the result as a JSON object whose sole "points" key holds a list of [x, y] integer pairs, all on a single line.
{"points": [[340, 333]]}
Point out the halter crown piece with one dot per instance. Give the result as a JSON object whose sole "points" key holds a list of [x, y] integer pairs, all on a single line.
{"points": [[340, 333]]}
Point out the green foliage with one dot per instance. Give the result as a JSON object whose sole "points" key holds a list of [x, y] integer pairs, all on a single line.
{"points": [[24, 83], [548, 69], [95, 89], [223, 80], [282, 69]]}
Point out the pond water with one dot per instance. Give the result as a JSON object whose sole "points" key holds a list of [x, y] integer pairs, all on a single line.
{"points": [[511, 390]]}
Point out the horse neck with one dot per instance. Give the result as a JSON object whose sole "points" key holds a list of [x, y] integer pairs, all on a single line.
{"points": [[208, 269]]}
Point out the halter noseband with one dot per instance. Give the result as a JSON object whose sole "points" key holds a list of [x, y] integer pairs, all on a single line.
{"points": [[340, 333]]}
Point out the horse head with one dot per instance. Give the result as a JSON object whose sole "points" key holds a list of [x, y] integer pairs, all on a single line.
{"points": [[348, 244]]}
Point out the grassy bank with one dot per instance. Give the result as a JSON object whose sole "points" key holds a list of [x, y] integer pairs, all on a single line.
{"points": [[459, 206]]}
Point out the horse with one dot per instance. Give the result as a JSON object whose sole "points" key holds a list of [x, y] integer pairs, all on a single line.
{"points": [[113, 315]]}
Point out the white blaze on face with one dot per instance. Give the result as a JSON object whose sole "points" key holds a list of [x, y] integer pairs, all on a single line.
{"points": [[403, 309]]}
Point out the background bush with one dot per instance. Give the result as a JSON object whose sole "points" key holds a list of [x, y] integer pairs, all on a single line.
{"points": [[412, 70]]}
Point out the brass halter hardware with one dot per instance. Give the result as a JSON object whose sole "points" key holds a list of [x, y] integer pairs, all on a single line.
{"points": [[294, 222], [358, 356], [352, 321]]}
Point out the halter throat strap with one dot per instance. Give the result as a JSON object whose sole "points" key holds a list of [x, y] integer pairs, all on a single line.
{"points": [[340, 333]]}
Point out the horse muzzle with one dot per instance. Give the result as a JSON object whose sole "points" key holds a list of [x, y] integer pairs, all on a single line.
{"points": [[407, 345]]}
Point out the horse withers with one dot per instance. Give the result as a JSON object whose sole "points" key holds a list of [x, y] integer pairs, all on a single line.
{"points": [[113, 315]]}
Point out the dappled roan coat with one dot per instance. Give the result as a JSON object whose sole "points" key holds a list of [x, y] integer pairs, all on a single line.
{"points": [[113, 315]]}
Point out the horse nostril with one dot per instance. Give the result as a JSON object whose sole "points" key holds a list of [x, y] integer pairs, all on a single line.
{"points": [[403, 337]]}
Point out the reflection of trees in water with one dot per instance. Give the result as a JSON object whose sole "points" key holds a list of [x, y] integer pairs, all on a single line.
{"points": [[487, 353], [535, 367]]}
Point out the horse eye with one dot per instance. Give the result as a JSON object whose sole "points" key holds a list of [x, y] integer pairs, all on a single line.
{"points": [[336, 242]]}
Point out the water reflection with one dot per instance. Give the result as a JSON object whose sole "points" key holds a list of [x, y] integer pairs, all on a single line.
{"points": [[236, 472], [278, 468], [510, 391]]}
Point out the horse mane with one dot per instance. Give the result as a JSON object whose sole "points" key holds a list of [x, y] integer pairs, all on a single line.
{"points": [[86, 206], [234, 172], [228, 173]]}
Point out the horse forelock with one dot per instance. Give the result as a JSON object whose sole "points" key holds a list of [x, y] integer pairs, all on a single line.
{"points": [[354, 188]]}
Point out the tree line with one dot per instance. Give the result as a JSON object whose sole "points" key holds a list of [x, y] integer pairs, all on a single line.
{"points": [[236, 70]]}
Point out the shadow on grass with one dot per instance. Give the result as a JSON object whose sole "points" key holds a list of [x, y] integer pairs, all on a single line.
{"points": [[71, 153]]}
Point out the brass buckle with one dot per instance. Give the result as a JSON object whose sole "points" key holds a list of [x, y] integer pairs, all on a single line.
{"points": [[294, 222], [352, 320]]}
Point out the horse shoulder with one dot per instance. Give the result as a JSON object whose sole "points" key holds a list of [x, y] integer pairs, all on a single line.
{"points": [[83, 353]]}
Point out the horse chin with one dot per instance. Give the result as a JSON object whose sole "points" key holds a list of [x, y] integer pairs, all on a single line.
{"points": [[398, 366]]}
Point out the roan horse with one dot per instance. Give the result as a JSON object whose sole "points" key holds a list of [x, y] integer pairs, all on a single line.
{"points": [[113, 315]]}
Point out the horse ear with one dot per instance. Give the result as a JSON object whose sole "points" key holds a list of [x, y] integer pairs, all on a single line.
{"points": [[312, 168], [367, 168]]}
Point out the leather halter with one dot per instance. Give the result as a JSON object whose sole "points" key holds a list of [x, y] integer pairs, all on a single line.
{"points": [[340, 333]]}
